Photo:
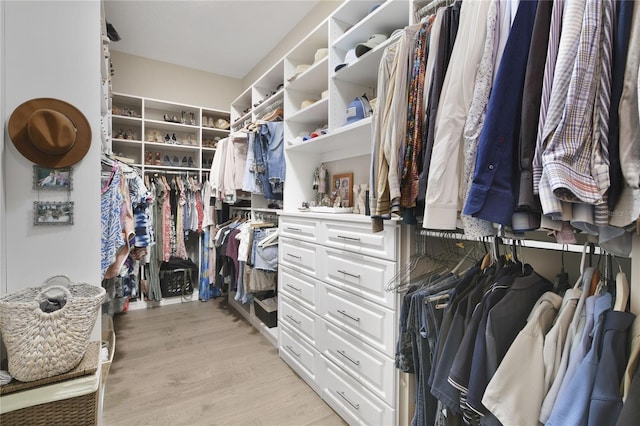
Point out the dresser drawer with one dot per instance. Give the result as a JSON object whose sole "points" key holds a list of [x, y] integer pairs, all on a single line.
{"points": [[299, 255], [299, 287], [363, 275], [352, 401], [369, 367], [372, 323], [298, 319], [299, 228], [303, 358], [359, 238]]}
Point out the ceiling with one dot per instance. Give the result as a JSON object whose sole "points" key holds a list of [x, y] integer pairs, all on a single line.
{"points": [[218, 36]]}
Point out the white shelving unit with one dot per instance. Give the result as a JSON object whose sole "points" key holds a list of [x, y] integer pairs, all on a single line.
{"points": [[137, 136], [139, 132]]}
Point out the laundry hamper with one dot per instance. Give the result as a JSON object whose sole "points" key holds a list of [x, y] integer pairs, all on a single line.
{"points": [[68, 399], [44, 344]]}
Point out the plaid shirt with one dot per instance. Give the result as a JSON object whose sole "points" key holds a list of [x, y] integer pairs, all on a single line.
{"points": [[572, 160]]}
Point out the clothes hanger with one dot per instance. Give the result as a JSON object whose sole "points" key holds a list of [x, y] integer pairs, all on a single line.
{"points": [[270, 240]]}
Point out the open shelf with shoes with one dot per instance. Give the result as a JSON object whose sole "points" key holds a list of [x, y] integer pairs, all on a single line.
{"points": [[161, 135]]}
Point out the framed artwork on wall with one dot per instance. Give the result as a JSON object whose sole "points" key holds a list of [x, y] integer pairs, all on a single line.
{"points": [[50, 179], [343, 187], [52, 213]]}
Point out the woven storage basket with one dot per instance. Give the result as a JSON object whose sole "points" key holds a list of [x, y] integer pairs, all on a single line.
{"points": [[41, 344]]}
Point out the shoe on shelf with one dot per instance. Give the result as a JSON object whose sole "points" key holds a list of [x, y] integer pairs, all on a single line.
{"points": [[166, 117], [167, 138], [211, 122], [175, 161], [151, 136], [189, 162], [174, 139], [184, 162], [158, 159], [148, 159], [158, 136], [119, 134], [166, 161]]}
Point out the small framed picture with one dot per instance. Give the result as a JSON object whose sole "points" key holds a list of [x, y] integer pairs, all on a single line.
{"points": [[343, 186], [46, 178], [52, 213]]}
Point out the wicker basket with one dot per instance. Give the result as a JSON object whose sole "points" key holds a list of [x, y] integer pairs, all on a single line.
{"points": [[41, 344]]}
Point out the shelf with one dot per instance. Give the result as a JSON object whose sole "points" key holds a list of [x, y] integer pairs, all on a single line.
{"points": [[216, 132], [268, 102], [364, 71], [126, 118], [127, 142], [241, 119], [169, 126], [387, 18], [344, 142], [151, 168], [313, 114], [170, 147], [313, 80], [207, 149]]}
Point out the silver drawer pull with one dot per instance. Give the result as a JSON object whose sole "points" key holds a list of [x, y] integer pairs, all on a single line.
{"points": [[295, 288], [347, 315], [356, 406], [294, 256], [293, 319], [292, 351], [344, 237], [350, 274], [289, 228], [348, 357]]}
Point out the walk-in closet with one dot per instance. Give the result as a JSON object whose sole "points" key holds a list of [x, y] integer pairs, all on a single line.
{"points": [[324, 212]]}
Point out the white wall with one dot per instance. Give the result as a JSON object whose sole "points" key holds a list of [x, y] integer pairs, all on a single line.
{"points": [[3, 223], [318, 14], [135, 75], [51, 49]]}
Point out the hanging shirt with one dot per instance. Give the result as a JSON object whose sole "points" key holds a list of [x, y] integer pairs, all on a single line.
{"points": [[572, 404], [628, 206], [514, 394], [474, 227], [493, 193], [443, 198]]}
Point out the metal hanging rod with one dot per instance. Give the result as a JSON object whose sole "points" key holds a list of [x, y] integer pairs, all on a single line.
{"points": [[527, 243]]}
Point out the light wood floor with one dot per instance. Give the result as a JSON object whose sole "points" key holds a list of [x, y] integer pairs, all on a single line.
{"points": [[201, 363]]}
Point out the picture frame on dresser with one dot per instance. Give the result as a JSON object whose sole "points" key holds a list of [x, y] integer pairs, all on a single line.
{"points": [[343, 186]]}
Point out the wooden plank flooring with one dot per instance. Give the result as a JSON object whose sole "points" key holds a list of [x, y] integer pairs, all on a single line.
{"points": [[201, 363]]}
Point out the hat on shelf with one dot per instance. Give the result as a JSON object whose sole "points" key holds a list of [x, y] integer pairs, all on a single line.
{"points": [[307, 103], [221, 123], [299, 70], [373, 41], [358, 109], [349, 58], [50, 132], [320, 55]]}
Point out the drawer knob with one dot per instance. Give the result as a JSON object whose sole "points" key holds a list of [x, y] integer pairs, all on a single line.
{"points": [[348, 357], [349, 274], [292, 351], [344, 237], [289, 228], [295, 288], [347, 315], [293, 319], [356, 406], [294, 256]]}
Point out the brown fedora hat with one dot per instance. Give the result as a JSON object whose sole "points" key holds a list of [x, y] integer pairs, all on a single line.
{"points": [[50, 132]]}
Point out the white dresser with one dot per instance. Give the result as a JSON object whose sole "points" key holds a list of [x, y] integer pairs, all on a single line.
{"points": [[338, 326]]}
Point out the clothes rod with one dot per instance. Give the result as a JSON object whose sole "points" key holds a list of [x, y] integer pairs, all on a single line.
{"points": [[170, 172], [526, 243]]}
